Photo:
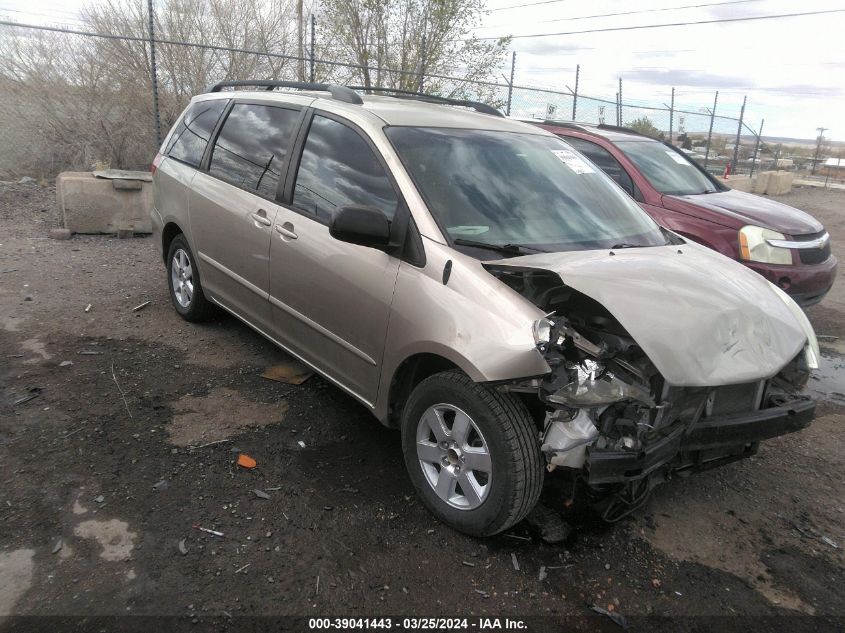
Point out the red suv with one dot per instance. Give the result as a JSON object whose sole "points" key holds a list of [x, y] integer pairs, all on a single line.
{"points": [[787, 246]]}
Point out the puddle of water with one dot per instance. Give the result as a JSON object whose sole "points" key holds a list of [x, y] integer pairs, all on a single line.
{"points": [[828, 381]]}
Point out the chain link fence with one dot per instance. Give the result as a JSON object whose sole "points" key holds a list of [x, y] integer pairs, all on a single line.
{"points": [[61, 119]]}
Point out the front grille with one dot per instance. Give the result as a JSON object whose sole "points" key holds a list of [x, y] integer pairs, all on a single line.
{"points": [[735, 399], [812, 255]]}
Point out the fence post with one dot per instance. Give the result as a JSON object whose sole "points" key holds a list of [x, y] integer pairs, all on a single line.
{"points": [[620, 102], [422, 65], [313, 31], [756, 148], [671, 114], [710, 133], [154, 69], [738, 132], [575, 94], [510, 84]]}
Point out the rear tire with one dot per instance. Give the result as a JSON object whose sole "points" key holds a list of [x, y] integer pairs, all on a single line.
{"points": [[473, 453], [183, 280]]}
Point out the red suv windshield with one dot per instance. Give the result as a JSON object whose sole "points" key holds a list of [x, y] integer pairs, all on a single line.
{"points": [[668, 171]]}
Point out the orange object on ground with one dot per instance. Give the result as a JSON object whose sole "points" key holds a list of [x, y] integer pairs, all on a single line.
{"points": [[246, 461]]}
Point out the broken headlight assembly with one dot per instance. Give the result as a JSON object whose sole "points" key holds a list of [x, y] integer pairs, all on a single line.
{"points": [[755, 246], [593, 385]]}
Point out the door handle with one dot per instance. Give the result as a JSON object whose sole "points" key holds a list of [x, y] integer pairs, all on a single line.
{"points": [[286, 230], [261, 218]]}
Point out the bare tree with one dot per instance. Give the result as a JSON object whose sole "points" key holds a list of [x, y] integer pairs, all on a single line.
{"points": [[80, 101], [392, 42], [69, 101]]}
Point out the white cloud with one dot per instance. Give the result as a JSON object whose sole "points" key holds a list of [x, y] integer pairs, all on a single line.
{"points": [[791, 69]]}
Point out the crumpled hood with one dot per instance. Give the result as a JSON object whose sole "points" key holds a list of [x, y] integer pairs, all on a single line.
{"points": [[747, 208], [702, 319]]}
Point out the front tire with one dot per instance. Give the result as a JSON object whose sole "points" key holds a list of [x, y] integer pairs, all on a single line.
{"points": [[183, 280], [473, 453]]}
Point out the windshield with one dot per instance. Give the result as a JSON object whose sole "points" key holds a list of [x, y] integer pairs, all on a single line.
{"points": [[668, 171], [516, 189]]}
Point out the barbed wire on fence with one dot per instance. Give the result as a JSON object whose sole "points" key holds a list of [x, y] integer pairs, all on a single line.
{"points": [[705, 133]]}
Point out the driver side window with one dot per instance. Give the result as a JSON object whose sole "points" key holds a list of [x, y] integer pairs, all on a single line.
{"points": [[338, 168], [605, 161]]}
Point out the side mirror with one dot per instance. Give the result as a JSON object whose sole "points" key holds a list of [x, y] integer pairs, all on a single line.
{"points": [[365, 226]]}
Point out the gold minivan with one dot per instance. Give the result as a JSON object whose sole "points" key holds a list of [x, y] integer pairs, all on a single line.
{"points": [[480, 285]]}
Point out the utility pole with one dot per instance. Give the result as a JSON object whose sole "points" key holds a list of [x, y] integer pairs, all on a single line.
{"points": [[575, 94], [154, 72], [300, 41], [821, 131], [710, 132], [313, 36], [738, 133]]}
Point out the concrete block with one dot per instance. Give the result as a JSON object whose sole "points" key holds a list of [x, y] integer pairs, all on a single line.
{"points": [[96, 205], [761, 182], [740, 183], [60, 234], [780, 183], [774, 183], [127, 185]]}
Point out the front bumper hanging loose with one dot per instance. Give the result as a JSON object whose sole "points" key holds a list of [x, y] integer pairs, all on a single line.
{"points": [[708, 442]]}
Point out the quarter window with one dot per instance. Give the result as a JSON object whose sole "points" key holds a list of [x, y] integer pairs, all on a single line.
{"points": [[339, 168], [190, 137], [251, 147]]}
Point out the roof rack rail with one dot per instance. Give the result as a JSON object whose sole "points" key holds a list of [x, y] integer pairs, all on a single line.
{"points": [[619, 128], [575, 125], [421, 96], [341, 93]]}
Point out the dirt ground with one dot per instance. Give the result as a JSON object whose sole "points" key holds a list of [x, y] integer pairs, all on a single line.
{"points": [[108, 468]]}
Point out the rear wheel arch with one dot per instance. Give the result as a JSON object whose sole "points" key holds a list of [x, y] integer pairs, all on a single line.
{"points": [[168, 233]]}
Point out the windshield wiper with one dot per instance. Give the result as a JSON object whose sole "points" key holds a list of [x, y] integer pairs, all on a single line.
{"points": [[512, 249], [626, 245]]}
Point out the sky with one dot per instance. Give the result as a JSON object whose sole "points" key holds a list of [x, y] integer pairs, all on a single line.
{"points": [[791, 69]]}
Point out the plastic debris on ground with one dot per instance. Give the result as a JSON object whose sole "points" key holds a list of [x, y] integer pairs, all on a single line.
{"points": [[207, 531], [245, 461], [261, 494]]}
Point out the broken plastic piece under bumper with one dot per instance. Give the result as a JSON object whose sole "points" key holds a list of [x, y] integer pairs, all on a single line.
{"points": [[711, 440]]}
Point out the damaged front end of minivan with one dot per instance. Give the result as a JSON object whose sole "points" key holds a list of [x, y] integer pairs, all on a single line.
{"points": [[615, 422]]}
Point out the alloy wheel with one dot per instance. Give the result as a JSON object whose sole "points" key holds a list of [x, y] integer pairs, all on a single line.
{"points": [[454, 456], [182, 278]]}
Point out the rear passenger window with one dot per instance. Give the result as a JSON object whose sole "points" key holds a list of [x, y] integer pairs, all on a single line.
{"points": [[339, 168], [251, 147], [190, 137], [605, 161]]}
